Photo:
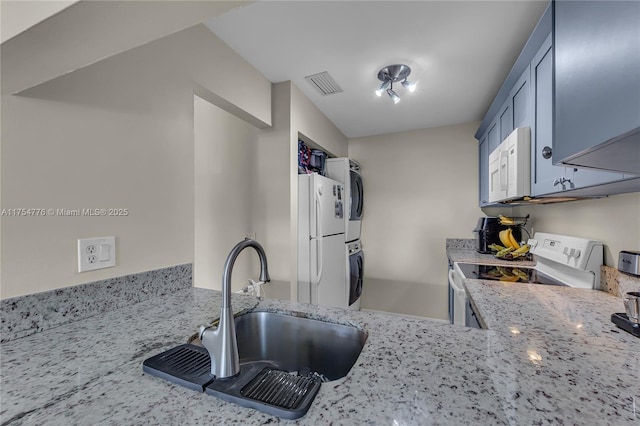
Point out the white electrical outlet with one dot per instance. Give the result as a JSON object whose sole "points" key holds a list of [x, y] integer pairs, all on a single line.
{"points": [[96, 253]]}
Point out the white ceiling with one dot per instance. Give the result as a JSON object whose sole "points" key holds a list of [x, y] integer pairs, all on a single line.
{"points": [[459, 53], [17, 16]]}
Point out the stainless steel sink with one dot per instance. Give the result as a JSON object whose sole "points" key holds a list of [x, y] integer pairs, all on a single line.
{"points": [[298, 344]]}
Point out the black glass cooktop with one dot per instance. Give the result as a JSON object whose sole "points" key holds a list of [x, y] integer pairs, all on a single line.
{"points": [[506, 273]]}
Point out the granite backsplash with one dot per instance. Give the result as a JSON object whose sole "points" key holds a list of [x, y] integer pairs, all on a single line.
{"points": [[25, 315]]}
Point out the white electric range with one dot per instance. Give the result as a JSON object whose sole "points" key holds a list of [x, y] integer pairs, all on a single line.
{"points": [[560, 260]]}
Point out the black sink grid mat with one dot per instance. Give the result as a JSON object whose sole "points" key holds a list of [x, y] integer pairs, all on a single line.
{"points": [[260, 385], [623, 321], [186, 365], [268, 389], [279, 388]]}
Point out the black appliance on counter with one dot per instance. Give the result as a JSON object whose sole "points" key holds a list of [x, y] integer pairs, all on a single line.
{"points": [[487, 231]]}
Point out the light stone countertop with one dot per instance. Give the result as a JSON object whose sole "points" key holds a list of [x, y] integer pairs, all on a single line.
{"points": [[570, 314], [410, 372]]}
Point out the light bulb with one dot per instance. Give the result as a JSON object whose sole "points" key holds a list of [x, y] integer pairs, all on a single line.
{"points": [[409, 86], [382, 88], [393, 95]]}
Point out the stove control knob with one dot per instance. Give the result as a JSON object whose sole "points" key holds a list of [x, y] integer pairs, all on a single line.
{"points": [[566, 251], [576, 253]]}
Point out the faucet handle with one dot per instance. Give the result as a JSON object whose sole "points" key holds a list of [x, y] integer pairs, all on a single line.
{"points": [[255, 284], [257, 287]]}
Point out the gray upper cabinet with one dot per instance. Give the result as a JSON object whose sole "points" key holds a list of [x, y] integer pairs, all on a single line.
{"points": [[597, 84], [515, 111], [546, 178], [587, 92], [483, 175], [493, 136], [512, 106], [520, 101], [506, 120]]}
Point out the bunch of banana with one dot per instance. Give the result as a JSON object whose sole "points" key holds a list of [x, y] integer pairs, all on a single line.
{"points": [[496, 247], [511, 248], [507, 238], [510, 275], [522, 251], [506, 275], [510, 253], [521, 274], [504, 252], [503, 220]]}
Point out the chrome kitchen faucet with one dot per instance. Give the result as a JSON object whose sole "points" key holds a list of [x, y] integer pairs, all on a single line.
{"points": [[221, 342]]}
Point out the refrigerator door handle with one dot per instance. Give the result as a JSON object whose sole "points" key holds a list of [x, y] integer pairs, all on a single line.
{"points": [[318, 214], [320, 235], [319, 257]]}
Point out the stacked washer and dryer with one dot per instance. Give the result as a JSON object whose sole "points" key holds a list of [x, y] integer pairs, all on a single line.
{"points": [[347, 172]]}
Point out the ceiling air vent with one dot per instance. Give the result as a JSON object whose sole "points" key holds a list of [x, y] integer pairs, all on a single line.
{"points": [[324, 83]]}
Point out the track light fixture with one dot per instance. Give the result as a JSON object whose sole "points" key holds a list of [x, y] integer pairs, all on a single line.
{"points": [[394, 74]]}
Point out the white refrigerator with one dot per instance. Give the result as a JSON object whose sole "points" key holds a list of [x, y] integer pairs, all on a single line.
{"points": [[321, 240]]}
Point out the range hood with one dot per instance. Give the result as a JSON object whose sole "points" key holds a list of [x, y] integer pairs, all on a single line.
{"points": [[530, 201], [620, 154]]}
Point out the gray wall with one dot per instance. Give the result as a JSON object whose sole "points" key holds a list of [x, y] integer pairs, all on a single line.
{"points": [[614, 220], [420, 188], [116, 134]]}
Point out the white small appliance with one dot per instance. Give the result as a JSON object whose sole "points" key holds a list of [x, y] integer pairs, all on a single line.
{"points": [[560, 260], [510, 167], [347, 171], [321, 242]]}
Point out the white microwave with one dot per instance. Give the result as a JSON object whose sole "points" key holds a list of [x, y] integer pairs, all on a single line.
{"points": [[510, 167]]}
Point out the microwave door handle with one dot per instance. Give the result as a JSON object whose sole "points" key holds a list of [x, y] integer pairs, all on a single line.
{"points": [[504, 156]]}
